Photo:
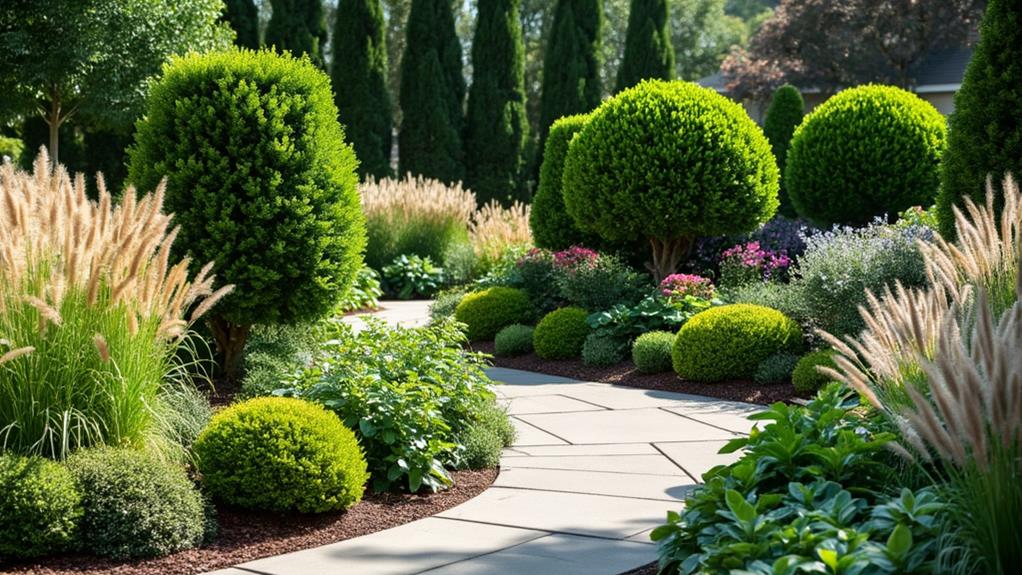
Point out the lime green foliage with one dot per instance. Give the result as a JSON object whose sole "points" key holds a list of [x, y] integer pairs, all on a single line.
{"points": [[359, 77], [39, 506], [299, 27], [776, 369], [561, 333], [651, 352], [484, 439], [667, 162], [432, 94], [648, 50], [487, 312], [243, 16], [866, 152], [11, 148], [552, 227], [496, 126], [729, 342], [601, 350], [806, 378], [281, 454], [985, 136], [572, 61], [513, 340], [782, 117], [135, 505]]}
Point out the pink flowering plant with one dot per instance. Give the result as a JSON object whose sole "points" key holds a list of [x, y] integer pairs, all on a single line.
{"points": [[749, 262], [575, 257], [676, 287]]}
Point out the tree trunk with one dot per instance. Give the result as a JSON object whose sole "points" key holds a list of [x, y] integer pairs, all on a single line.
{"points": [[230, 344], [53, 120], [667, 254]]}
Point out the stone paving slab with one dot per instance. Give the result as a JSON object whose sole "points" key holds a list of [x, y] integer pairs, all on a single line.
{"points": [[511, 391], [585, 450], [529, 435], [547, 404], [626, 426], [622, 397], [527, 378], [636, 464], [697, 457], [635, 485], [396, 313], [731, 416]]}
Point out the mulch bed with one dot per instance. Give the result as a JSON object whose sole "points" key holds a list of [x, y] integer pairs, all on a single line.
{"points": [[625, 374], [650, 569], [245, 536]]}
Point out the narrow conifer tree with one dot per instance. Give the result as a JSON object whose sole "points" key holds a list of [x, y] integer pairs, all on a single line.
{"points": [[648, 50], [432, 94], [496, 125], [243, 17], [782, 117], [571, 64], [298, 26], [360, 83]]}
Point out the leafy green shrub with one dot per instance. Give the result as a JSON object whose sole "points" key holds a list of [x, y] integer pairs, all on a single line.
{"points": [[561, 333], [866, 152], [484, 440], [487, 312], [776, 368], [513, 340], [260, 180], [365, 292], [39, 506], [445, 303], [274, 353], [654, 312], [601, 351], [281, 454], [601, 284], [805, 377], [729, 342], [536, 273], [410, 277], [552, 227], [651, 352], [135, 505], [782, 117], [669, 148], [11, 148]]}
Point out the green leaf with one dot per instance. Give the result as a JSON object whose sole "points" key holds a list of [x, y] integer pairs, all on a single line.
{"points": [[742, 509], [900, 541]]}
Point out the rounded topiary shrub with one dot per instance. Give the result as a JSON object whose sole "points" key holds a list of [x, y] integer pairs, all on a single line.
{"points": [[513, 340], [561, 333], [729, 342], [39, 506], [552, 227], [601, 351], [806, 378], [135, 505], [866, 152], [491, 310], [281, 454], [776, 369], [651, 352]]}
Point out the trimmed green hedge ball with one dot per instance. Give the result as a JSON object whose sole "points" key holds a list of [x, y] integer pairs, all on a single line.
{"points": [[806, 378], [487, 312], [561, 333]]}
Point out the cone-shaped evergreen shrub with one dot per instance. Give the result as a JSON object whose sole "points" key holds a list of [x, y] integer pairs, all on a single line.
{"points": [[552, 227], [496, 125], [985, 136], [648, 49], [571, 64], [243, 17], [782, 117], [432, 94], [298, 26], [360, 81]]}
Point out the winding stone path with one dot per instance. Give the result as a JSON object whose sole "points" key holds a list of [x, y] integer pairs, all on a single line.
{"points": [[594, 469]]}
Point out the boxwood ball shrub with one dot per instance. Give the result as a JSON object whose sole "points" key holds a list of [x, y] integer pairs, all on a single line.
{"points": [[135, 505], [513, 340], [776, 369], [552, 227], [561, 333], [39, 506], [601, 350], [281, 454], [261, 181], [666, 162], [487, 312], [865, 152], [729, 342], [806, 378], [651, 351]]}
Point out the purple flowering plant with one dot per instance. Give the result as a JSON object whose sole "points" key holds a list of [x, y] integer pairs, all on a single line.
{"points": [[676, 287], [750, 262], [574, 257]]}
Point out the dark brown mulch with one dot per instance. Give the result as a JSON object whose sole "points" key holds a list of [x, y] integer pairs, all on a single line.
{"points": [[625, 373], [245, 536], [650, 569]]}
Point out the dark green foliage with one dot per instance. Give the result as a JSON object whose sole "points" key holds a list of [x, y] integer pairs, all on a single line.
{"points": [[298, 26], [667, 162], [571, 63], [602, 284], [491, 432], [866, 152], [648, 49], [729, 342], [410, 277], [360, 83], [654, 312], [776, 368], [601, 351], [135, 505], [39, 506], [445, 303], [651, 352], [536, 273], [561, 334], [806, 378], [432, 95], [513, 340], [487, 312], [782, 117], [281, 454], [985, 137], [275, 353], [496, 126], [243, 17]]}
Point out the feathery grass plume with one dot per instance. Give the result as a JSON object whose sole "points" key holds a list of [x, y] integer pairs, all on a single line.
{"points": [[91, 310], [495, 229], [414, 215]]}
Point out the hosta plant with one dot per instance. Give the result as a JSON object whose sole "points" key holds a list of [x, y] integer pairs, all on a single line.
{"points": [[412, 276]]}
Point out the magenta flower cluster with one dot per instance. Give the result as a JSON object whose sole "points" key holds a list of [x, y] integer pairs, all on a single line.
{"points": [[677, 286], [752, 257], [574, 256]]}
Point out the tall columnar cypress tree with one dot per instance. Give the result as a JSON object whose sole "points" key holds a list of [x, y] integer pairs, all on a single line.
{"points": [[784, 115], [496, 125], [360, 83], [986, 128], [298, 26], [243, 17], [648, 50], [432, 94], [571, 65]]}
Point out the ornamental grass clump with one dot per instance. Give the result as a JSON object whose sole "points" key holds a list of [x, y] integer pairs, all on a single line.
{"points": [[92, 311], [494, 230]]}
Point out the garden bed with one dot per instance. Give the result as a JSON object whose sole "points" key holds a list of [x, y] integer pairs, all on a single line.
{"points": [[246, 536]]}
